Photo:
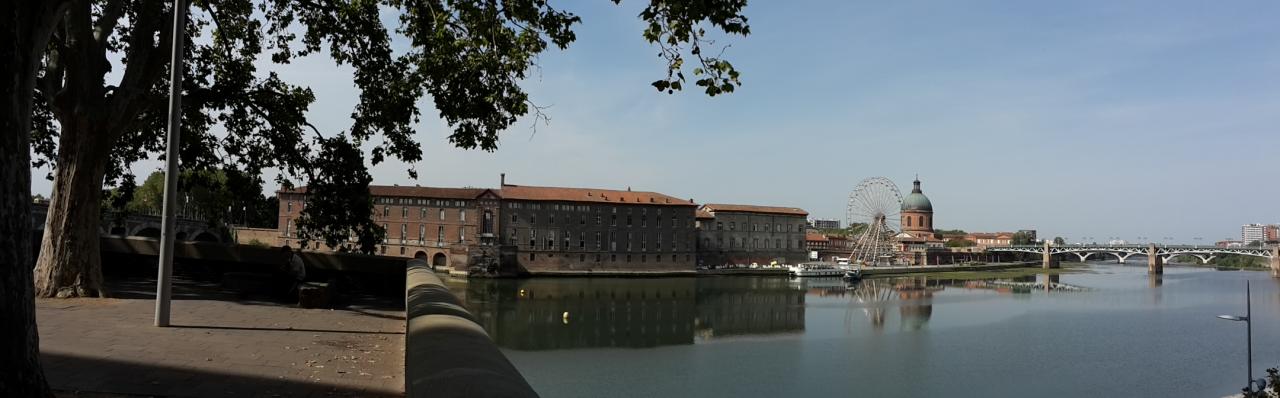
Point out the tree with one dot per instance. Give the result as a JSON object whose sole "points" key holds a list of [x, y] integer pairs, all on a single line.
{"points": [[468, 56], [1022, 238], [1057, 240], [960, 242], [25, 28]]}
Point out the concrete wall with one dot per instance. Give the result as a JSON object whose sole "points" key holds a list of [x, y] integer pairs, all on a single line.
{"points": [[448, 354]]}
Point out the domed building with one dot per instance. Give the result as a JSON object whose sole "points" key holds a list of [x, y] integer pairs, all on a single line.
{"points": [[917, 213], [917, 242]]}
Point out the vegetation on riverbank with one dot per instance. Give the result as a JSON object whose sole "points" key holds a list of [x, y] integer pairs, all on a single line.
{"points": [[1008, 273]]}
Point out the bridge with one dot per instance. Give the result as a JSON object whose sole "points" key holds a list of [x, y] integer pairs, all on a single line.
{"points": [[1156, 255], [188, 228]]}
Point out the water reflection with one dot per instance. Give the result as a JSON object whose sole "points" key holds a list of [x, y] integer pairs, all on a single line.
{"points": [[547, 314]]}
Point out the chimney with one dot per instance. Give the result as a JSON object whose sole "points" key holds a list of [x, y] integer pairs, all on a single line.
{"points": [[502, 180], [628, 188]]}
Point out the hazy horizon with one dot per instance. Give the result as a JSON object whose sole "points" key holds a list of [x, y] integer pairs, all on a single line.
{"points": [[1078, 119]]}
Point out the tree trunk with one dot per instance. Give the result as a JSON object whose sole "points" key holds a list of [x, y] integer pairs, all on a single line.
{"points": [[25, 27], [70, 262]]}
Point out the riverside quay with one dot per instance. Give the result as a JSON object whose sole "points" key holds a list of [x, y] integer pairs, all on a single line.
{"points": [[519, 229]]}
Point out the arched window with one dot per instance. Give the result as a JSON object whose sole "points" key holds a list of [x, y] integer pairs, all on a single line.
{"points": [[908, 221]]}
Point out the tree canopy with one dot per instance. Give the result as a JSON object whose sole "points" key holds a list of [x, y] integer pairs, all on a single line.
{"points": [[241, 117]]}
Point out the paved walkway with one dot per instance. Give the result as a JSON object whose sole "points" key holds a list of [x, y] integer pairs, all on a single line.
{"points": [[219, 347]]}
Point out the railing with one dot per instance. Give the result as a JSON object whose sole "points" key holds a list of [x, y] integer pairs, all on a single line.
{"points": [[446, 353]]}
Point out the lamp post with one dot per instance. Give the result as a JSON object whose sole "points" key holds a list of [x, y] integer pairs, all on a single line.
{"points": [[1248, 325], [168, 221]]}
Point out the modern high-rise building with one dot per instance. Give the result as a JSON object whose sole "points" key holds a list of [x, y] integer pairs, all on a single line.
{"points": [[1250, 233]]}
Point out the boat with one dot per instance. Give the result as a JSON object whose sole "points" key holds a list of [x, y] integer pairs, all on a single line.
{"points": [[816, 269], [852, 275]]}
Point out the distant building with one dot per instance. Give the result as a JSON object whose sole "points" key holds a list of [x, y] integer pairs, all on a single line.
{"points": [[747, 234], [990, 239], [826, 225], [1250, 233], [814, 241], [1272, 232], [1030, 233], [1229, 243]]}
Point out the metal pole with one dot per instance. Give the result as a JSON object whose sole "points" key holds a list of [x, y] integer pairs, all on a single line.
{"points": [[1248, 324], [171, 170]]}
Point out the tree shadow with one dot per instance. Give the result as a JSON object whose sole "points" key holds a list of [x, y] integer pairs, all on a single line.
{"points": [[283, 329], [73, 375]]}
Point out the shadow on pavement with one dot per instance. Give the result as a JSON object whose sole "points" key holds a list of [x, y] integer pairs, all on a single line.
{"points": [[73, 376]]}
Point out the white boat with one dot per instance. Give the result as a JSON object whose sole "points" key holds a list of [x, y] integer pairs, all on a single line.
{"points": [[816, 269]]}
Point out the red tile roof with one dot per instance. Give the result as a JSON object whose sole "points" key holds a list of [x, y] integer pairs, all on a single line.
{"points": [[414, 191], [815, 237], [789, 211], [524, 192], [703, 215]]}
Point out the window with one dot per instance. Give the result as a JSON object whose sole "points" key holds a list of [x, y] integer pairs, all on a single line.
{"points": [[289, 206], [404, 212], [643, 241], [657, 222], [800, 228], [422, 213], [530, 256], [657, 243], [422, 232], [719, 225], [582, 240], [514, 218], [674, 222], [533, 239], [597, 219], [566, 244], [628, 241], [440, 234], [628, 220], [386, 211], [533, 218], [551, 240], [644, 221], [462, 233], [404, 231], [385, 232], [462, 215], [613, 219], [511, 237], [731, 225], [401, 250], [287, 225], [908, 221], [613, 243], [598, 242], [552, 218], [755, 243], [777, 244]]}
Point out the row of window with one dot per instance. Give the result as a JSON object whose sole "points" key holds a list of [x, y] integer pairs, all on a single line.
{"points": [[387, 200], [582, 208], [614, 257], [757, 227], [599, 220], [919, 221], [756, 243], [514, 239]]}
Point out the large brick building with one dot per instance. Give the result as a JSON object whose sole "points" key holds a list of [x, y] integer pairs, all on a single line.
{"points": [[598, 230], [447, 226], [526, 229], [745, 234]]}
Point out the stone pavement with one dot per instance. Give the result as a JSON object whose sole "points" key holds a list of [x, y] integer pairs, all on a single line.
{"points": [[219, 347]]}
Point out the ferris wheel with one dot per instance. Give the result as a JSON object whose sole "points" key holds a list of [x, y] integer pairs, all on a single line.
{"points": [[872, 215]]}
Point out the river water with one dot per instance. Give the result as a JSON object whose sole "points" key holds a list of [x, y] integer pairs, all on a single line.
{"points": [[1105, 330]]}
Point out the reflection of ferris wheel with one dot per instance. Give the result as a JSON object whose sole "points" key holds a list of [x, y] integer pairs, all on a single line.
{"points": [[872, 215]]}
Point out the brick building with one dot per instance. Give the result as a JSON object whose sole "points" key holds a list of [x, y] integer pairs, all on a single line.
{"points": [[585, 229], [745, 234], [450, 227]]}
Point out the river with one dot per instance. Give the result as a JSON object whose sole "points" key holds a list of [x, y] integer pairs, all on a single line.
{"points": [[1103, 330]]}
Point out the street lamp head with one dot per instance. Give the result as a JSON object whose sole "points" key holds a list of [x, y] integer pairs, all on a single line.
{"points": [[1234, 317]]}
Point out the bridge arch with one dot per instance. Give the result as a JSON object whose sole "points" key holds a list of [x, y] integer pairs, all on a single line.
{"points": [[148, 232]]}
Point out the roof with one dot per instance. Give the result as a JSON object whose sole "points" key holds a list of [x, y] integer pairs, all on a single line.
{"points": [[414, 191], [990, 235], [524, 192], [789, 211], [916, 201], [815, 237], [703, 215]]}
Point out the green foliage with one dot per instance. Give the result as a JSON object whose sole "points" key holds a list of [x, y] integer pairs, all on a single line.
{"points": [[950, 232], [960, 242], [467, 58], [1237, 261], [1058, 240], [1271, 391], [218, 196], [1022, 238]]}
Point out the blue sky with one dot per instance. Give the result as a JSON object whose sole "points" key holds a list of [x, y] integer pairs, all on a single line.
{"points": [[1076, 118]]}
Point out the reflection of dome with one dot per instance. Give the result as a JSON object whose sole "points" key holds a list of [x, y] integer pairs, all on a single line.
{"points": [[916, 201]]}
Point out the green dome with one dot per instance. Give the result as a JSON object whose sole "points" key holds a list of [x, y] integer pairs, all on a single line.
{"points": [[916, 201]]}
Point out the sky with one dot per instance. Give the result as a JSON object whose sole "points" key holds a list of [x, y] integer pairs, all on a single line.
{"points": [[1083, 119]]}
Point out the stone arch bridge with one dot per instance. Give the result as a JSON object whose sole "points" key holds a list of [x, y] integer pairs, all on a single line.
{"points": [[138, 225], [1156, 255]]}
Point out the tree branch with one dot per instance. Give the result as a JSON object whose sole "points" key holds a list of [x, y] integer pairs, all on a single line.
{"points": [[107, 22]]}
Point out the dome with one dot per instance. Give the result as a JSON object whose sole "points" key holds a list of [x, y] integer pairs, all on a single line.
{"points": [[916, 201]]}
